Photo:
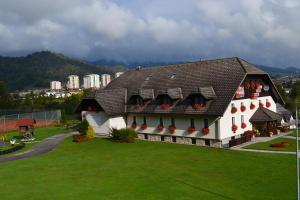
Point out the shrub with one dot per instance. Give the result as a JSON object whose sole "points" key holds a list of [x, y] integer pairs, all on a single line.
{"points": [[83, 127], [90, 133], [123, 135]]}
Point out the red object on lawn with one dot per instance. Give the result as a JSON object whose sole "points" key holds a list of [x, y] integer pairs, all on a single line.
{"points": [[25, 122]]}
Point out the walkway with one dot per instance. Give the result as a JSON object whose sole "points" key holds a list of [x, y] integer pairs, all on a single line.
{"points": [[42, 147]]}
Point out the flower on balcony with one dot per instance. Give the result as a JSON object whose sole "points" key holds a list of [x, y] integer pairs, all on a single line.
{"points": [[137, 106], [171, 129], [244, 125], [261, 104], [160, 128], [205, 131], [191, 130], [198, 106], [252, 106], [268, 104], [234, 128], [133, 125], [165, 106], [253, 96], [233, 109], [247, 85], [144, 126], [257, 85], [243, 108], [253, 85]]}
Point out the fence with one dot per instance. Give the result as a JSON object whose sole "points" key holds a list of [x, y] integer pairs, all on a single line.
{"points": [[43, 118], [241, 140]]}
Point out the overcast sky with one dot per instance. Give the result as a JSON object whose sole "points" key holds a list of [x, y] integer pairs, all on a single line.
{"points": [[260, 31]]}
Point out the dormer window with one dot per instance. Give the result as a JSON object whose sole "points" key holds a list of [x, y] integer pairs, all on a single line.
{"points": [[198, 102], [136, 101], [165, 102]]}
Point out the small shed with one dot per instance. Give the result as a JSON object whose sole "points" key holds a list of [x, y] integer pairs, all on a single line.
{"points": [[266, 121], [26, 128]]}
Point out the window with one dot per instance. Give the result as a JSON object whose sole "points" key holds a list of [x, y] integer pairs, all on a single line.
{"points": [[139, 100], [161, 122], [206, 123], [207, 143], [172, 121], [145, 122], [192, 123], [242, 119], [146, 136], [233, 120], [193, 140], [174, 139], [198, 99], [162, 138]]}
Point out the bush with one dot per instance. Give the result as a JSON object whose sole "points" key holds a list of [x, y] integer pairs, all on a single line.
{"points": [[123, 135], [83, 127]]}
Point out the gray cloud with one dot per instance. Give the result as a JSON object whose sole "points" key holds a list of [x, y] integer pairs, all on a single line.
{"points": [[262, 31]]}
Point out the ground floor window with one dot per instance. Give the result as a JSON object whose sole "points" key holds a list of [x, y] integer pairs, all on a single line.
{"points": [[162, 138], [173, 139], [146, 136], [207, 143], [193, 140]]}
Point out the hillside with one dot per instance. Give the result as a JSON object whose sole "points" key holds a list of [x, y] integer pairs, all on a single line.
{"points": [[38, 69]]}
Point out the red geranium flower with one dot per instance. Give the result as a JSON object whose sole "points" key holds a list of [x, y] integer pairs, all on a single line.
{"points": [[252, 106], [244, 125], [247, 85], [233, 110], [205, 131], [172, 129], [144, 126], [257, 85], [198, 106], [261, 104], [160, 128], [268, 104], [164, 106], [253, 85], [137, 106], [191, 130], [234, 128], [243, 108]]}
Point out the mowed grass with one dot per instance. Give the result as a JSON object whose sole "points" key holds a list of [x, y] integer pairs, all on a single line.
{"points": [[266, 145], [101, 169], [294, 133]]}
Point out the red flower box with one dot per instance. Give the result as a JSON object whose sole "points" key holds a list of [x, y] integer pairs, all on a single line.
{"points": [[243, 108], [244, 125], [79, 138], [233, 110], [268, 104], [252, 106], [137, 106], [234, 128], [164, 106], [133, 125], [172, 129], [160, 128], [144, 126], [261, 104], [191, 130], [198, 106], [247, 86], [205, 131]]}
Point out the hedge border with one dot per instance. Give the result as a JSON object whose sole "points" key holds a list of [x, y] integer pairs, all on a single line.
{"points": [[13, 149]]}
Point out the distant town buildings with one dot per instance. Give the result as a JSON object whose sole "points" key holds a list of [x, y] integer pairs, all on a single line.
{"points": [[105, 79], [118, 74], [73, 82], [91, 81], [55, 85]]}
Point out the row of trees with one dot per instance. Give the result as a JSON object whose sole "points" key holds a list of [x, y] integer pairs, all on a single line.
{"points": [[39, 102], [292, 97]]}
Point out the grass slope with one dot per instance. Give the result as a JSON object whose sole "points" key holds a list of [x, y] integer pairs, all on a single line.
{"points": [[100, 169], [266, 145]]}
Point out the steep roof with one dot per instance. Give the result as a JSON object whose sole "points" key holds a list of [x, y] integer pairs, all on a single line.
{"points": [[286, 114], [216, 80], [263, 114]]}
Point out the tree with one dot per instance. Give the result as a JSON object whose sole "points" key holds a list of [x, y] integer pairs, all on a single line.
{"points": [[295, 91], [5, 98]]}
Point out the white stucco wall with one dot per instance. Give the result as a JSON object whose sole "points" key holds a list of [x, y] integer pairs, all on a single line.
{"points": [[226, 120], [182, 123]]}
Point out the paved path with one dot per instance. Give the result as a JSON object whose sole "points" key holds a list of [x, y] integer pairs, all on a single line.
{"points": [[44, 146]]}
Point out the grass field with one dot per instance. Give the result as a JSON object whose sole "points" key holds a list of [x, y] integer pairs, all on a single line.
{"points": [[266, 145], [101, 169], [294, 134]]}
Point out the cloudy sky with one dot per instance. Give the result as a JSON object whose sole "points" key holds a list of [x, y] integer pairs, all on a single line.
{"points": [[261, 31]]}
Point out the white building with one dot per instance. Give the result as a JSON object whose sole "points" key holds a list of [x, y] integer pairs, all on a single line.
{"points": [[118, 74], [73, 82], [91, 81], [207, 103], [105, 80], [55, 85]]}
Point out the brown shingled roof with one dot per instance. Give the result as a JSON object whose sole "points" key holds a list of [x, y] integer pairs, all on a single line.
{"points": [[216, 80], [263, 114]]}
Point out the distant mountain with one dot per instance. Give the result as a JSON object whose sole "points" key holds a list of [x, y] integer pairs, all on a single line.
{"points": [[280, 71], [38, 69]]}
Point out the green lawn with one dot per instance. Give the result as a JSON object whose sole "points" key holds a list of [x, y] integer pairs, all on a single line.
{"points": [[294, 133], [266, 145], [101, 169]]}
